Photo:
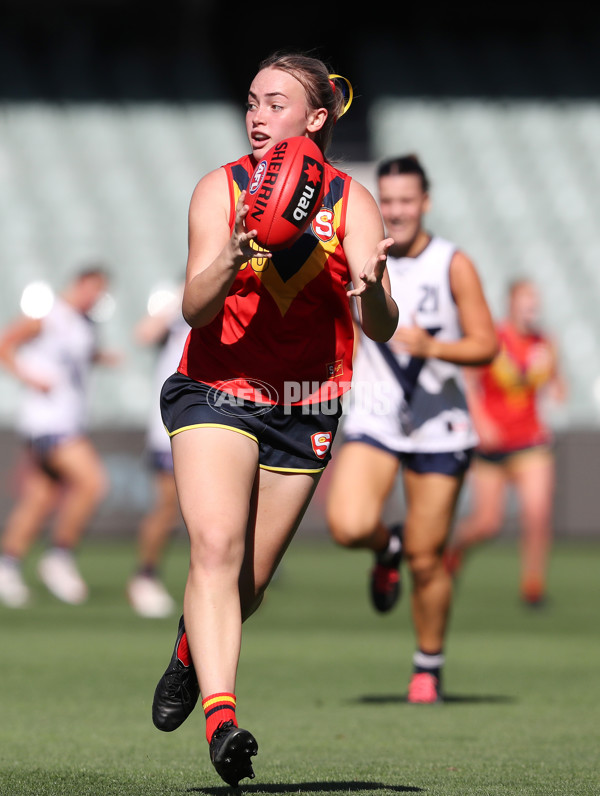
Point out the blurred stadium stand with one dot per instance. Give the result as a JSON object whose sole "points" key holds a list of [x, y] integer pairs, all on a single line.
{"points": [[110, 110]]}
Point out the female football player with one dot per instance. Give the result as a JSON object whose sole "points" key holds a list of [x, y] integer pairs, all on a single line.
{"points": [[247, 462], [424, 429], [515, 445], [52, 357]]}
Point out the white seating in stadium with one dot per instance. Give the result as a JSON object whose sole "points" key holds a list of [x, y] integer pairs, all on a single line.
{"points": [[516, 184]]}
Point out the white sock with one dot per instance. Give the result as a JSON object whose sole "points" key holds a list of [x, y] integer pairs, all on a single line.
{"points": [[394, 545], [423, 661]]}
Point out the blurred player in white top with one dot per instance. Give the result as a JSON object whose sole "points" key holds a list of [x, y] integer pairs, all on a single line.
{"points": [[165, 328], [408, 412], [52, 357]]}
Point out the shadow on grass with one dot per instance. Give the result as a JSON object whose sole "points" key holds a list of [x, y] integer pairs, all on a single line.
{"points": [[310, 787], [449, 699]]}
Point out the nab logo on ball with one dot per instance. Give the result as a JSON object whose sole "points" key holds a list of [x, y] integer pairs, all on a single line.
{"points": [[321, 442], [307, 193]]}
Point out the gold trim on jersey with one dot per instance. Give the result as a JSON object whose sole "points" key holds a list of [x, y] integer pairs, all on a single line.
{"points": [[284, 293]]}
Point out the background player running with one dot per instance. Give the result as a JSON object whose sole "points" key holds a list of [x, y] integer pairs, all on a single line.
{"points": [[421, 425], [515, 445], [245, 476], [52, 357]]}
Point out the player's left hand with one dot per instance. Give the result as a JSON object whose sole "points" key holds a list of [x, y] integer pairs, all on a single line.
{"points": [[374, 269], [412, 340]]}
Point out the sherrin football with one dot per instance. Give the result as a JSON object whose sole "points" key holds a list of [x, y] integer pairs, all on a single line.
{"points": [[284, 192]]}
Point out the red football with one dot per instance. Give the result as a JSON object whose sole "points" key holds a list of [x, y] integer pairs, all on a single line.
{"points": [[284, 192]]}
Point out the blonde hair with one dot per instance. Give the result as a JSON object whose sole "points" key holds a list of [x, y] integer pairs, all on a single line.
{"points": [[321, 90]]}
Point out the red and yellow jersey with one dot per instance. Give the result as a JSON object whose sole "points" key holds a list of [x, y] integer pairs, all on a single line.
{"points": [[510, 384], [285, 332]]}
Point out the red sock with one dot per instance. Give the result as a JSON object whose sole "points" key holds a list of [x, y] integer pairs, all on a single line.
{"points": [[218, 708], [183, 651]]}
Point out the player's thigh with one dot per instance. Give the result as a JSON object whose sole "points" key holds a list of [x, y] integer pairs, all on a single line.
{"points": [[39, 490], [533, 477], [431, 502], [166, 491], [77, 462], [487, 484], [166, 502], [214, 470], [362, 479]]}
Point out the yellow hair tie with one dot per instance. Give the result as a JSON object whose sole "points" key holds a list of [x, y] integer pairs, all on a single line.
{"points": [[350, 92]]}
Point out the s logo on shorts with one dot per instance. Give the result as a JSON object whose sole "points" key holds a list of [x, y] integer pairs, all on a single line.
{"points": [[321, 442]]}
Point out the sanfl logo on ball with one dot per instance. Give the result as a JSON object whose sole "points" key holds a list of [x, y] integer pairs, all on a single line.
{"points": [[257, 177]]}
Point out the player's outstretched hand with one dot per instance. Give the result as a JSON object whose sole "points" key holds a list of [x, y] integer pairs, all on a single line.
{"points": [[372, 273]]}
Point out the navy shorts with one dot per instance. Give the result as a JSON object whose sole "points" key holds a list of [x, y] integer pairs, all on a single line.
{"points": [[160, 461], [289, 438], [454, 463], [501, 457]]}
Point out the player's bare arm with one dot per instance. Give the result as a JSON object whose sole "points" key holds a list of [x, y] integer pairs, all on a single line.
{"points": [[215, 254], [17, 334], [479, 344], [366, 250]]}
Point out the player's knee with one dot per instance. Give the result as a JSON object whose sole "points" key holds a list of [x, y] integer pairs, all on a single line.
{"points": [[424, 566], [91, 484], [100, 486], [489, 527], [348, 531], [214, 551], [538, 519]]}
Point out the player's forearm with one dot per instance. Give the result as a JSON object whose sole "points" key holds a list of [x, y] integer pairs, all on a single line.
{"points": [[469, 351], [204, 295], [8, 361], [379, 314]]}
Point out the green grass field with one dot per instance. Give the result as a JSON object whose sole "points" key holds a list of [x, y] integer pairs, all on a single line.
{"points": [[321, 685]]}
